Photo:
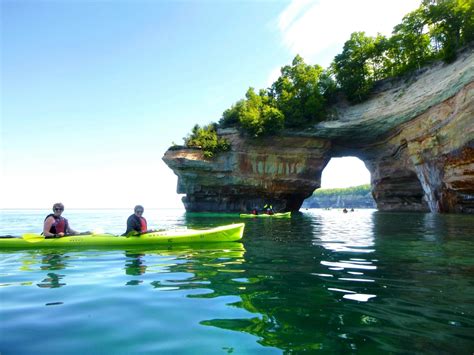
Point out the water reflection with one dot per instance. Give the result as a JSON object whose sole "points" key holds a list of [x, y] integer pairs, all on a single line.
{"points": [[205, 269], [352, 233], [316, 277], [346, 235], [364, 282], [52, 280], [135, 266], [53, 261]]}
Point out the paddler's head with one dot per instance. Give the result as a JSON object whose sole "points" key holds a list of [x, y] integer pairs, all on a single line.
{"points": [[138, 210], [58, 208]]}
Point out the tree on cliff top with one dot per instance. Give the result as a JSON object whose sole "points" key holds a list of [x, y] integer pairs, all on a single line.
{"points": [[257, 114], [295, 99], [206, 138], [451, 24], [352, 69], [299, 97], [437, 29], [298, 94]]}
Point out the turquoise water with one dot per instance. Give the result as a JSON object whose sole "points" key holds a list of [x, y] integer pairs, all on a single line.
{"points": [[321, 282]]}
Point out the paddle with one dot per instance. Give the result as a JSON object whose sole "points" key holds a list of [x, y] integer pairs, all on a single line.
{"points": [[32, 237]]}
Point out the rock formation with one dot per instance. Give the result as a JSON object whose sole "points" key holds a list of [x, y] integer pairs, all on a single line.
{"points": [[415, 135]]}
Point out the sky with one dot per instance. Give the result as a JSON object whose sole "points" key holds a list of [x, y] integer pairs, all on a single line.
{"points": [[92, 93]]}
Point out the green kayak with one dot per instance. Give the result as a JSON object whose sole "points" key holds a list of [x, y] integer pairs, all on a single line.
{"points": [[212, 214], [227, 233], [264, 215]]}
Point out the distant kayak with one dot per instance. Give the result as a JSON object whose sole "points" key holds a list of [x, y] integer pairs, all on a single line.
{"points": [[227, 233], [264, 215], [212, 214]]}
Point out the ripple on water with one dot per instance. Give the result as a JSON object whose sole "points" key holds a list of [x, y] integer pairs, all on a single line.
{"points": [[363, 282]]}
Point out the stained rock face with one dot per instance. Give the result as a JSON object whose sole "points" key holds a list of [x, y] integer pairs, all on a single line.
{"points": [[428, 164], [282, 171], [416, 137]]}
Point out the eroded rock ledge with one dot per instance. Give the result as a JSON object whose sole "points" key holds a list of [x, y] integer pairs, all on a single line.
{"points": [[416, 137]]}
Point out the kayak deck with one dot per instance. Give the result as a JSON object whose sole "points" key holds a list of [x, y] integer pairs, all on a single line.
{"points": [[227, 233]]}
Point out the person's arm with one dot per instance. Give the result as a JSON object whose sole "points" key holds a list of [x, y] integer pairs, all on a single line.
{"points": [[136, 225], [70, 231], [133, 227], [47, 227]]}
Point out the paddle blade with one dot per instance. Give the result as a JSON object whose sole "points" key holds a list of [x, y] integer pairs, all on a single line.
{"points": [[32, 237]]}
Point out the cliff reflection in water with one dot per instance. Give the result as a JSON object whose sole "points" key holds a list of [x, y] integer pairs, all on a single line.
{"points": [[294, 296], [365, 281], [368, 281]]}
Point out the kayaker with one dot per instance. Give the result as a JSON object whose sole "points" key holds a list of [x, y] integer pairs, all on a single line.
{"points": [[136, 223], [268, 209], [55, 225]]}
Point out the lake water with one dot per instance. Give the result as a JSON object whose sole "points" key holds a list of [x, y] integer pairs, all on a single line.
{"points": [[321, 282]]}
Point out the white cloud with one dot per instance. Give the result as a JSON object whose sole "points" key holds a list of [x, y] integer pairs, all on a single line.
{"points": [[312, 28]]}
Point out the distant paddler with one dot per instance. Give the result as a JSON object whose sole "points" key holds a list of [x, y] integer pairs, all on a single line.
{"points": [[268, 209], [55, 225]]}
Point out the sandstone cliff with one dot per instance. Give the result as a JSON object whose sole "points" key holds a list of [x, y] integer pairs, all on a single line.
{"points": [[416, 137]]}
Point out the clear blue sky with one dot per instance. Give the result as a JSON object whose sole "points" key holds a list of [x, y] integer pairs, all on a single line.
{"points": [[94, 92]]}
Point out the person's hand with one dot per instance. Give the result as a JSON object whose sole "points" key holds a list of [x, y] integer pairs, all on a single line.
{"points": [[60, 234]]}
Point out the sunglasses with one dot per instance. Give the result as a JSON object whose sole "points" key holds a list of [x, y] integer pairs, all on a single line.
{"points": [[139, 211], [59, 209]]}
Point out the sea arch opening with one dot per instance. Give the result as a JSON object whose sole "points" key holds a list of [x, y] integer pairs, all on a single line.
{"points": [[345, 183]]}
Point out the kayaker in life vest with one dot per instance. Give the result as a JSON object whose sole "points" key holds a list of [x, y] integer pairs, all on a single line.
{"points": [[268, 209], [55, 225], [136, 223]]}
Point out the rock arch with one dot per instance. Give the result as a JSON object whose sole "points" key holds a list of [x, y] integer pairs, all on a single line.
{"points": [[415, 135]]}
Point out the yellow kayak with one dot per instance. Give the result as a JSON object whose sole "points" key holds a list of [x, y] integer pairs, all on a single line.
{"points": [[227, 233], [264, 215]]}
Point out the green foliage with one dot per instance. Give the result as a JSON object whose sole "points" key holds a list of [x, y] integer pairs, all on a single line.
{"points": [[206, 138], [300, 96], [365, 60], [361, 190], [297, 98], [298, 93], [437, 29], [230, 117], [352, 69], [451, 24], [410, 46], [257, 114]]}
